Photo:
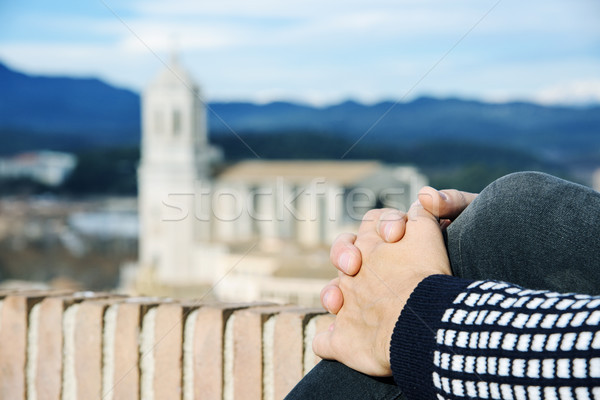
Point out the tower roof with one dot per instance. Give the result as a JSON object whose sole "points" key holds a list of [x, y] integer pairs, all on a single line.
{"points": [[173, 74]]}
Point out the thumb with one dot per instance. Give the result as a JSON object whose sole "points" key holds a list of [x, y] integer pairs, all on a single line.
{"points": [[447, 204]]}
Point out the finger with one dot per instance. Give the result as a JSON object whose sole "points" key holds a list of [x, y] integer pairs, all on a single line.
{"points": [[446, 204], [344, 255], [417, 211], [322, 344], [335, 282], [371, 219], [368, 234], [332, 297], [392, 225]]}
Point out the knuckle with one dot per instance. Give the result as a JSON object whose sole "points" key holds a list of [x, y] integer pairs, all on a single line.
{"points": [[344, 238], [324, 290], [339, 243], [392, 215], [333, 252], [339, 238], [316, 345], [371, 215]]}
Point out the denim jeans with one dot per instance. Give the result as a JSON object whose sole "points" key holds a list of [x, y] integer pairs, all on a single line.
{"points": [[527, 228]]}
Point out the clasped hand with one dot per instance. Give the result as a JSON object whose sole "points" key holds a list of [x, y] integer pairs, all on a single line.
{"points": [[379, 269]]}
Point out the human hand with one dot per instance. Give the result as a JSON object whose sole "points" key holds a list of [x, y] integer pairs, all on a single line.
{"points": [[375, 296], [444, 204]]}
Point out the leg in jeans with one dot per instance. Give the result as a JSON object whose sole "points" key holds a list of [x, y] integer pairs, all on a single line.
{"points": [[527, 228], [333, 380], [531, 229]]}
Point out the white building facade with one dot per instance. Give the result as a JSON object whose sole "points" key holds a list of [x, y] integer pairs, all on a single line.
{"points": [[256, 230]]}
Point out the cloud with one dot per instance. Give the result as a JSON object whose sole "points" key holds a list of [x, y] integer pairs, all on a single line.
{"points": [[322, 51], [347, 16], [163, 36], [579, 92], [423, 17]]}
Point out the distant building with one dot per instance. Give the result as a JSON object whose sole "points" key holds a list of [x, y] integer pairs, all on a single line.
{"points": [[48, 167], [253, 230]]}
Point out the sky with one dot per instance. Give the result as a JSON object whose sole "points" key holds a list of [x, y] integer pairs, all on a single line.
{"points": [[319, 52]]}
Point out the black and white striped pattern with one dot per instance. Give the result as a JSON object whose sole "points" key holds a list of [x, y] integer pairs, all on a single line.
{"points": [[499, 341]]}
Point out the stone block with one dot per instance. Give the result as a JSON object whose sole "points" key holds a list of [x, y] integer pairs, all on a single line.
{"points": [[120, 374], [288, 350], [83, 333], [253, 331], [167, 352], [45, 345], [316, 324], [204, 362], [14, 320], [128, 361]]}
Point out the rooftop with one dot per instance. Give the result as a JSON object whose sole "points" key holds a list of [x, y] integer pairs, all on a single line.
{"points": [[300, 172]]}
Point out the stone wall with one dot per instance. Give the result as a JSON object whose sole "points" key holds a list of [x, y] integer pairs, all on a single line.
{"points": [[87, 345]]}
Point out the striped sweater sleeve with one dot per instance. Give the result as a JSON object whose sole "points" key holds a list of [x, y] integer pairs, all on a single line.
{"points": [[461, 339]]}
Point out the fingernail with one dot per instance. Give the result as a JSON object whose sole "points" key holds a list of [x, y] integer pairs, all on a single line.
{"points": [[387, 231], [443, 195], [344, 261], [325, 302]]}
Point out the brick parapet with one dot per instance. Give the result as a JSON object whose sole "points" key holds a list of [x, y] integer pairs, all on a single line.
{"points": [[62, 345]]}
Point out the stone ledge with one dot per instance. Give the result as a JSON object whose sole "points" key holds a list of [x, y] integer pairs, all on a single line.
{"points": [[86, 345]]}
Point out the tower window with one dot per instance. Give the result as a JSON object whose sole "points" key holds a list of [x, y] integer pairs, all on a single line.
{"points": [[176, 122]]}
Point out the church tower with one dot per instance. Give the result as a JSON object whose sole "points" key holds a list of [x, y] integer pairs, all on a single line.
{"points": [[175, 158]]}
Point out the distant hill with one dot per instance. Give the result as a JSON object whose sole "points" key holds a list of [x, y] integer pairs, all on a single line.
{"points": [[68, 112], [544, 130], [61, 112]]}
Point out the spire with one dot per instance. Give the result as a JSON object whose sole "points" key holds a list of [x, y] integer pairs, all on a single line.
{"points": [[174, 51], [174, 73]]}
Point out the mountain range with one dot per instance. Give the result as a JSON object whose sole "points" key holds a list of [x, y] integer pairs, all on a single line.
{"points": [[76, 113]]}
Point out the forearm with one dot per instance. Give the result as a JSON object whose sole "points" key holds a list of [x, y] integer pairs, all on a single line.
{"points": [[460, 338]]}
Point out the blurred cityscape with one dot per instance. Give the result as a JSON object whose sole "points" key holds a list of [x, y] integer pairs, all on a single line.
{"points": [[260, 229], [165, 190], [203, 224]]}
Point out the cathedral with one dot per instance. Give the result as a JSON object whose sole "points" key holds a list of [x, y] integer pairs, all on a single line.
{"points": [[251, 230]]}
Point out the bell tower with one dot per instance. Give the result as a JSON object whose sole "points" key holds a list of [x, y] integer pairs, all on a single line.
{"points": [[174, 122], [175, 157]]}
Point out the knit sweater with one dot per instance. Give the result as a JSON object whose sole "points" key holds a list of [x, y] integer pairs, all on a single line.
{"points": [[461, 339]]}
